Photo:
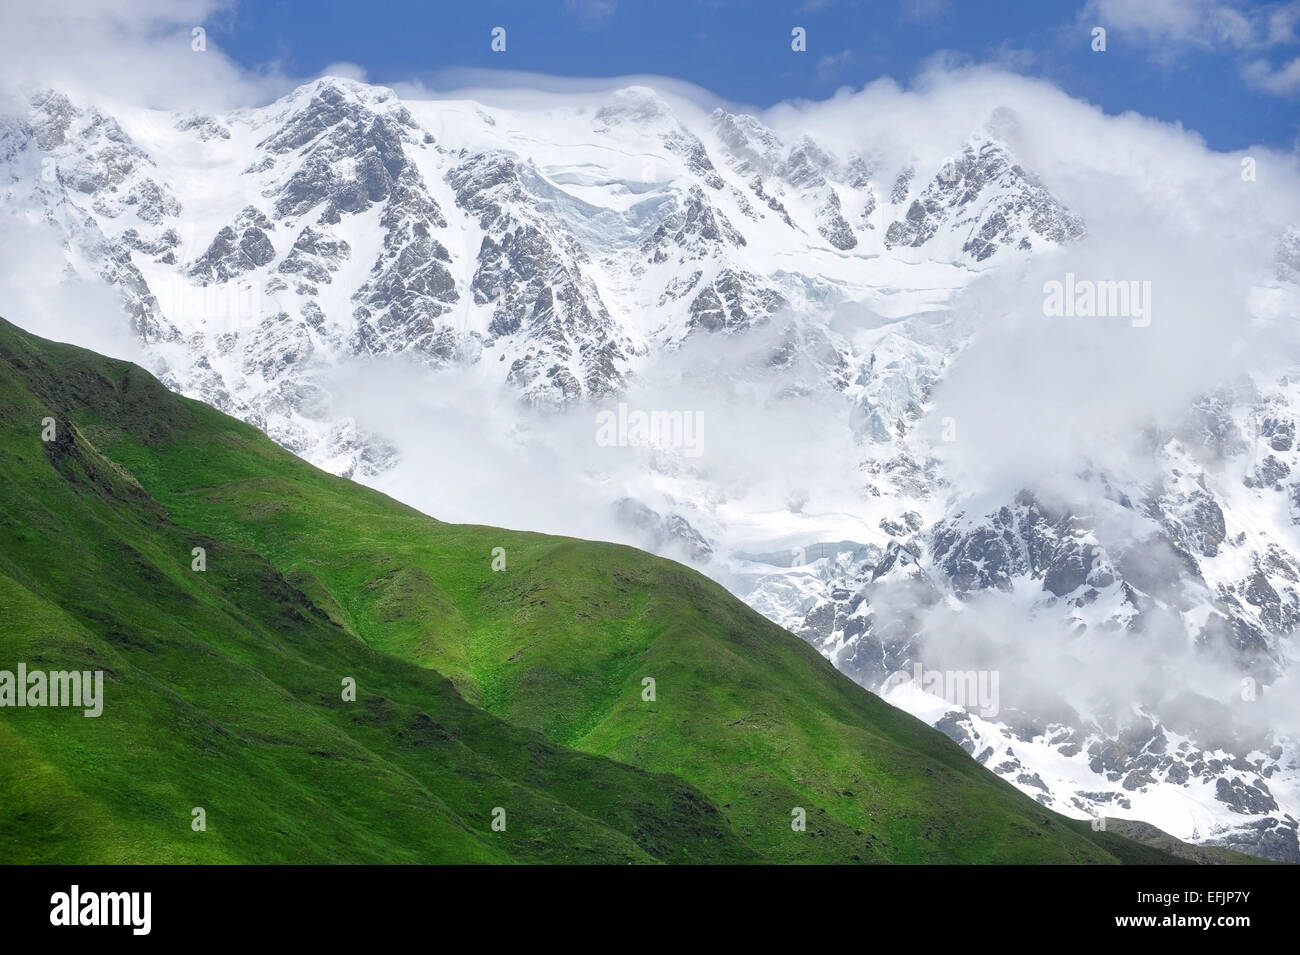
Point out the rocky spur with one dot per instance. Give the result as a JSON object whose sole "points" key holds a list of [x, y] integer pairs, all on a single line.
{"points": [[54, 688]]}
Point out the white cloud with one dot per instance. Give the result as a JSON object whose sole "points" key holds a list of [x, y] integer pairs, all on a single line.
{"points": [[141, 53], [1174, 24], [829, 66], [1282, 24], [1170, 28], [39, 294], [591, 12], [345, 70], [1283, 81]]}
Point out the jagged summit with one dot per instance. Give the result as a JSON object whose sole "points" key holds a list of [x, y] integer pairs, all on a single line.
{"points": [[987, 201]]}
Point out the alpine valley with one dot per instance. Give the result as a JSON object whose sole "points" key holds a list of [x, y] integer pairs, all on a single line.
{"points": [[887, 446]]}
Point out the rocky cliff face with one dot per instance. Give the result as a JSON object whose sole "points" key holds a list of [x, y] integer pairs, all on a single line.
{"points": [[1129, 593], [988, 202]]}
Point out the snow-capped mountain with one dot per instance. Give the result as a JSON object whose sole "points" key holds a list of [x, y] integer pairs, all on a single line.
{"points": [[569, 253], [341, 221]]}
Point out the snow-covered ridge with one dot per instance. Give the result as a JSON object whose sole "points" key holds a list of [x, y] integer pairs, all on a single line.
{"points": [[555, 247]]}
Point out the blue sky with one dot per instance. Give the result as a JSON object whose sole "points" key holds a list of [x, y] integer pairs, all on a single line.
{"points": [[1229, 69]]}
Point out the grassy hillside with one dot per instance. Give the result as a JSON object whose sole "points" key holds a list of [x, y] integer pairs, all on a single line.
{"points": [[519, 688]]}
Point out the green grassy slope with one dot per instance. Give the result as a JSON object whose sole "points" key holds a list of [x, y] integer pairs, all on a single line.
{"points": [[520, 688]]}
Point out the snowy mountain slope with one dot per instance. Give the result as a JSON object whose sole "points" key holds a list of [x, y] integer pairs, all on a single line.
{"points": [[579, 252], [1143, 633], [334, 223]]}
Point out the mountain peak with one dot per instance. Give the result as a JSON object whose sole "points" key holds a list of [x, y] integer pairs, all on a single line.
{"points": [[343, 86], [635, 105], [984, 198]]}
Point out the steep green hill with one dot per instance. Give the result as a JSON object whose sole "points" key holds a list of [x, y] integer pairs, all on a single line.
{"points": [[477, 688]]}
